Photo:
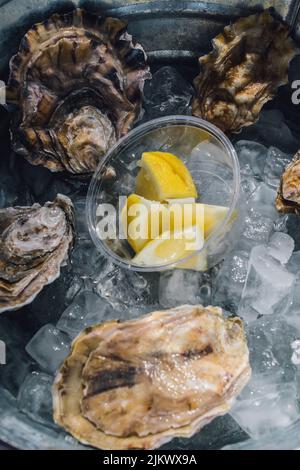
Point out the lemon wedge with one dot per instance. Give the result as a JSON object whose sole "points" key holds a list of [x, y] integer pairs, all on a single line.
{"points": [[172, 247], [164, 176], [213, 216], [139, 218], [145, 220]]}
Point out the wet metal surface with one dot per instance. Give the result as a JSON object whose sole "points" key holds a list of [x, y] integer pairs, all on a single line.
{"points": [[168, 29]]}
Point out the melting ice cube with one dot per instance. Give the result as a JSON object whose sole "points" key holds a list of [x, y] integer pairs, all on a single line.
{"points": [[184, 287], [281, 247], [86, 309], [35, 397], [268, 284], [276, 162], [49, 347], [267, 407]]}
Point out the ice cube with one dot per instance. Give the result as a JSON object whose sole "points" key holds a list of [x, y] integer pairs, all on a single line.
{"points": [[292, 313], [184, 287], [49, 347], [75, 286], [15, 364], [276, 162], [294, 263], [86, 309], [35, 397], [269, 339], [260, 216], [48, 306], [263, 201], [273, 378], [268, 285], [293, 228], [125, 184], [281, 247], [281, 335], [252, 157], [7, 400], [13, 372], [295, 345], [280, 224], [249, 184], [270, 406], [82, 231], [273, 440], [213, 178], [121, 287], [257, 229], [204, 152], [229, 283], [262, 359], [86, 261], [166, 94]]}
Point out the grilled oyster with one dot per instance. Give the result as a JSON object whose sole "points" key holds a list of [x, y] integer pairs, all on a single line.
{"points": [[34, 243], [288, 195], [140, 383], [77, 82], [249, 61]]}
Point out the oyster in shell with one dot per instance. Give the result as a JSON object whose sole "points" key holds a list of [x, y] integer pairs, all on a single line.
{"points": [[249, 61], [34, 243], [288, 195], [77, 83], [138, 384]]}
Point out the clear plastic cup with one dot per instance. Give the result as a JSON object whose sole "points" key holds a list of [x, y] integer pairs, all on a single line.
{"points": [[212, 162]]}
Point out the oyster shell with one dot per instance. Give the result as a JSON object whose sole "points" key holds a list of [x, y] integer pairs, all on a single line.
{"points": [[249, 61], [288, 195], [140, 383], [34, 243], [77, 82]]}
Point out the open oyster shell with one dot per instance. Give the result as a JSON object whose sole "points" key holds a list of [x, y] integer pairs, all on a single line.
{"points": [[77, 82], [288, 195], [34, 243], [138, 384], [249, 61]]}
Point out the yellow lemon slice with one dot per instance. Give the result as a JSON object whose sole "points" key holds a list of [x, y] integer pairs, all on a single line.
{"points": [[171, 247], [213, 215], [163, 176], [145, 220], [141, 220]]}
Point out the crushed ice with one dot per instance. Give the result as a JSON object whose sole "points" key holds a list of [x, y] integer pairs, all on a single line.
{"points": [[259, 280]]}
